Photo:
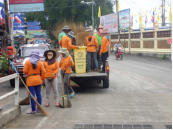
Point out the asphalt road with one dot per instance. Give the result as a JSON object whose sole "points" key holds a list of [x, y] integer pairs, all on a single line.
{"points": [[140, 96]]}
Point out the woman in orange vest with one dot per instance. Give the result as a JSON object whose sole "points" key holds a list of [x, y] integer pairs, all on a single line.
{"points": [[34, 70], [52, 67], [66, 65]]}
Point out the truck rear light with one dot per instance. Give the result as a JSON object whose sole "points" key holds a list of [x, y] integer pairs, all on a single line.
{"points": [[107, 68]]}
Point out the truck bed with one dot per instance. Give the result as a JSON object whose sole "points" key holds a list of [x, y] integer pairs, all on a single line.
{"points": [[89, 74]]}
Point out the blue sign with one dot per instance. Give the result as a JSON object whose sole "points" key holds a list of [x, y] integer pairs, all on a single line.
{"points": [[18, 28], [33, 28], [33, 23], [26, 7]]}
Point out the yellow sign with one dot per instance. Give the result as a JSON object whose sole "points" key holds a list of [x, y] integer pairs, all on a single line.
{"points": [[80, 60]]}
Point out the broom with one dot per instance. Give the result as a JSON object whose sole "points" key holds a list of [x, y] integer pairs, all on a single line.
{"points": [[65, 103], [38, 105], [25, 101]]}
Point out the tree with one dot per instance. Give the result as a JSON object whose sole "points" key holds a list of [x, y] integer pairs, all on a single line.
{"points": [[57, 11]]}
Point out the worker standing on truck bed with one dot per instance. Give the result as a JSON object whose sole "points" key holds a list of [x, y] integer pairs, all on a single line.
{"points": [[66, 65], [99, 38], [66, 41], [104, 50], [64, 31], [92, 46]]}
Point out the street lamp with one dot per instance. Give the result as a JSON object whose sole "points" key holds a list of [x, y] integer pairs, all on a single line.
{"points": [[90, 3]]}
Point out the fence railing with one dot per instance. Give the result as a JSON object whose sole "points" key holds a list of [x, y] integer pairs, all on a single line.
{"points": [[16, 89]]}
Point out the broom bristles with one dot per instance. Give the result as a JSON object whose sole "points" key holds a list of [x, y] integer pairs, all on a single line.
{"points": [[25, 101]]}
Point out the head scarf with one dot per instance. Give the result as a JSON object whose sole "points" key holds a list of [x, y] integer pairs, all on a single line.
{"points": [[35, 56]]}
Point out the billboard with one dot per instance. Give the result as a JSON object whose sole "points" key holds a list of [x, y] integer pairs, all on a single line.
{"points": [[25, 1], [17, 6], [124, 18], [109, 23]]}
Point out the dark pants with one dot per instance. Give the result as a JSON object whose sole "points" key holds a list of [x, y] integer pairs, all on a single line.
{"points": [[104, 57], [99, 58], [67, 89], [91, 55], [35, 90]]}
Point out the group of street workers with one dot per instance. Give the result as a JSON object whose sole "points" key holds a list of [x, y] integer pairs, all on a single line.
{"points": [[46, 72]]}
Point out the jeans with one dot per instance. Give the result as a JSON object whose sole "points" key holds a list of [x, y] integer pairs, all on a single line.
{"points": [[67, 89], [99, 58], [91, 55], [104, 57], [35, 90]]}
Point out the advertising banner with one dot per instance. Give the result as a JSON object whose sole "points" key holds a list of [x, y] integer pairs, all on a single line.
{"points": [[25, 1], [124, 18], [109, 23], [17, 6]]}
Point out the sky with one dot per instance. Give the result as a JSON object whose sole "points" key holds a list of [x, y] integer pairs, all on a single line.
{"points": [[144, 8]]}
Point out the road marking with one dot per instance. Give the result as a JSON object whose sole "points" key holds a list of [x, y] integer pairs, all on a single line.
{"points": [[41, 122]]}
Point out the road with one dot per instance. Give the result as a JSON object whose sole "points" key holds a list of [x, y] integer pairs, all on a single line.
{"points": [[140, 96]]}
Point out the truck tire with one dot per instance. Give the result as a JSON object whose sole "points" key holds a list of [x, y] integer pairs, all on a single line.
{"points": [[12, 83], [106, 83]]}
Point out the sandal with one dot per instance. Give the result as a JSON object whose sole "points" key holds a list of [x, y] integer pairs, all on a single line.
{"points": [[47, 104], [57, 104]]}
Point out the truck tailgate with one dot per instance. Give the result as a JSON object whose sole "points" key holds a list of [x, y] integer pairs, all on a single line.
{"points": [[89, 74]]}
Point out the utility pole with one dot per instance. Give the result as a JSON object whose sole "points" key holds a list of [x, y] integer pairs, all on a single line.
{"points": [[7, 30], [25, 26], [118, 19], [163, 12], [6, 17], [93, 16]]}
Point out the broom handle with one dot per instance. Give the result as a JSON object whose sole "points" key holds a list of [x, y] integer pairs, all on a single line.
{"points": [[62, 79]]}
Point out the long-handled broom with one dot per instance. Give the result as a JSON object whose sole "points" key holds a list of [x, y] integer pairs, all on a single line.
{"points": [[65, 101], [38, 105]]}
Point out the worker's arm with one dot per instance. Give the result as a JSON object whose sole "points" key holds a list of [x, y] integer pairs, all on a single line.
{"points": [[57, 67], [96, 42], [60, 42], [42, 71], [72, 46], [26, 67], [60, 63], [72, 62]]}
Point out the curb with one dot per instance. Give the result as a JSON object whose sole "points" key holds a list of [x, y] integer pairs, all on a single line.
{"points": [[9, 115]]}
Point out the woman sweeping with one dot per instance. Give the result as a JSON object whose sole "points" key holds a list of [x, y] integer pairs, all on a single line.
{"points": [[51, 66], [34, 70]]}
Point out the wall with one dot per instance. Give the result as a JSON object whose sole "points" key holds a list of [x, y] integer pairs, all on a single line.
{"points": [[145, 41]]}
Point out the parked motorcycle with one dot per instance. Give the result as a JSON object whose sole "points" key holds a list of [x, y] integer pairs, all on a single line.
{"points": [[119, 54]]}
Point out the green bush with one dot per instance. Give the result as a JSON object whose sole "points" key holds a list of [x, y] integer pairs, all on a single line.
{"points": [[4, 66]]}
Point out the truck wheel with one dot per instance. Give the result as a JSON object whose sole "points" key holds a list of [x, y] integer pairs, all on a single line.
{"points": [[12, 83], [106, 83]]}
